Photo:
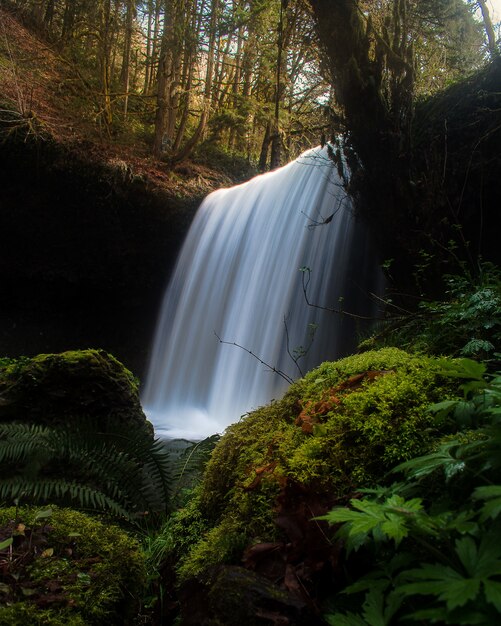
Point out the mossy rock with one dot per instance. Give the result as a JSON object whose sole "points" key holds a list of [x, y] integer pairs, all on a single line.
{"points": [[68, 569], [340, 428], [55, 389]]}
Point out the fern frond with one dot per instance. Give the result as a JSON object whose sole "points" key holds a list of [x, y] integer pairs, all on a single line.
{"points": [[133, 473], [43, 490], [18, 442], [195, 457]]}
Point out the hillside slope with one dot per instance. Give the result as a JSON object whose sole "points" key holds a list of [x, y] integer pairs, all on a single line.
{"points": [[90, 225]]}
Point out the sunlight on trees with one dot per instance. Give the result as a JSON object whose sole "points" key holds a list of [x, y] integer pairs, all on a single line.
{"points": [[246, 76]]}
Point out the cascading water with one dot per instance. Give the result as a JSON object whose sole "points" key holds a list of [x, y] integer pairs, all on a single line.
{"points": [[238, 276]]}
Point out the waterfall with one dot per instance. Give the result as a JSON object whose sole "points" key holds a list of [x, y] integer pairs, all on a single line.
{"points": [[238, 278]]}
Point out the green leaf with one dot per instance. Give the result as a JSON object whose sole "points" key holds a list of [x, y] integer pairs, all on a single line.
{"points": [[373, 608], [44, 514], [444, 407], [6, 543], [492, 590], [492, 494], [395, 528], [467, 552], [424, 465], [467, 368], [348, 619], [443, 582], [4, 588]]}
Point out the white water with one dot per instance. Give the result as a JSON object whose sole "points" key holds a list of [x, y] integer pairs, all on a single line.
{"points": [[238, 276]]}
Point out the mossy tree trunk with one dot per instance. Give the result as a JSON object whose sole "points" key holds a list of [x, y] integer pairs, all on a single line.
{"points": [[373, 78]]}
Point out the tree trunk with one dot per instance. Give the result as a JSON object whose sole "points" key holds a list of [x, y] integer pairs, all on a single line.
{"points": [[166, 78], [68, 20], [125, 73], [49, 13], [265, 146], [489, 29], [104, 55], [209, 77]]}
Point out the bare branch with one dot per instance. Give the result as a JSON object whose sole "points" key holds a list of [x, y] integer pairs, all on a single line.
{"points": [[270, 367], [306, 281]]}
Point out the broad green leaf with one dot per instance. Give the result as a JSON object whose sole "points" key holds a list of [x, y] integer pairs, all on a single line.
{"points": [[429, 616], [472, 369], [474, 385], [393, 602], [467, 552], [6, 543], [370, 581], [373, 608], [464, 411], [488, 562], [339, 514], [426, 464], [462, 368], [492, 590], [443, 408], [442, 582], [395, 528], [44, 514], [491, 493], [442, 616]]}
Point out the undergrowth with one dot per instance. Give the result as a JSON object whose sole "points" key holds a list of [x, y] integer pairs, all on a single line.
{"points": [[430, 545]]}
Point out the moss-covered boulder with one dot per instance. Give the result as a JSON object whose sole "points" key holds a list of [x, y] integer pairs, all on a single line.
{"points": [[60, 388], [64, 567], [342, 427]]}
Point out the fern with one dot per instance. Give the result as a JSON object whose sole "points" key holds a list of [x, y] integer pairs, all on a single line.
{"points": [[44, 490], [103, 471], [189, 465]]}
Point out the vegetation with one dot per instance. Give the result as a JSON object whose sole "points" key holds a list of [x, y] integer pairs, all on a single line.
{"points": [[178, 73], [245, 75], [62, 567], [375, 403], [127, 476], [230, 522], [466, 322], [431, 542]]}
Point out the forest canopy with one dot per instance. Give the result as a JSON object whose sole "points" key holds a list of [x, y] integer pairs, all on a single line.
{"points": [[249, 77]]}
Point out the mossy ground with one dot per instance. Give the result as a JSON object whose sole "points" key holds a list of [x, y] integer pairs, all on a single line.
{"points": [[340, 428], [68, 568]]}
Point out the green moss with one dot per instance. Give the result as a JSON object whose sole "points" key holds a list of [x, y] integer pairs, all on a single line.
{"points": [[99, 568], [222, 544], [358, 428], [57, 388], [22, 614]]}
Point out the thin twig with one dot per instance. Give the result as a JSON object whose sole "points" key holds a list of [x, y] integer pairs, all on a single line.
{"points": [[306, 282], [294, 359], [270, 367]]}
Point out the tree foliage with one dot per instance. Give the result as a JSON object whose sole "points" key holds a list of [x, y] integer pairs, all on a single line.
{"points": [[243, 74]]}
